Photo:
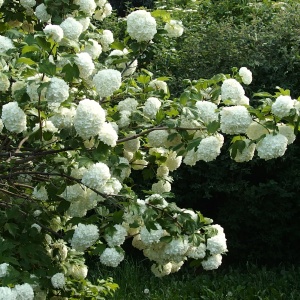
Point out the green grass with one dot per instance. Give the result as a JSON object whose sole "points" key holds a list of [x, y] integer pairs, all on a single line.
{"points": [[244, 283]]}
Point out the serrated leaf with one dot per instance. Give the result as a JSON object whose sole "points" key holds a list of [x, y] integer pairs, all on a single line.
{"points": [[143, 79], [159, 13], [71, 72], [117, 45], [184, 97]]}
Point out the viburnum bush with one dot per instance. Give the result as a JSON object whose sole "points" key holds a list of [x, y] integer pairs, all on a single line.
{"points": [[78, 117]]}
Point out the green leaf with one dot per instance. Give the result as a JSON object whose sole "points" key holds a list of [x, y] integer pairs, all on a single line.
{"points": [[12, 228], [117, 45], [185, 97], [193, 144], [213, 126], [238, 145], [71, 72], [46, 67], [160, 115], [143, 79], [41, 40], [26, 60], [166, 17], [30, 48]]}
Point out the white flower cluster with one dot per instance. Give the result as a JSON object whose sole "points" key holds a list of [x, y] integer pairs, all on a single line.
{"points": [[58, 280], [111, 257], [217, 243], [118, 236], [41, 13], [151, 107], [247, 153], [1, 2], [28, 3], [93, 48], [77, 271], [108, 135], [212, 262], [207, 111], [288, 132], [272, 146], [235, 119], [4, 82], [209, 148], [104, 11], [282, 106], [55, 32], [141, 26], [96, 176], [63, 117], [88, 110], [255, 130], [128, 68], [85, 64], [246, 75], [106, 39], [72, 29], [84, 236], [57, 91], [160, 187], [159, 85], [132, 145], [158, 138], [152, 236], [107, 82], [86, 6], [126, 107], [174, 28], [5, 44], [3, 269], [40, 193], [13, 117], [19, 292], [232, 89]]}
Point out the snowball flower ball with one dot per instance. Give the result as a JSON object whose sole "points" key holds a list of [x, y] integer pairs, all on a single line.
{"points": [[107, 82], [151, 107], [282, 106], [235, 119], [246, 154], [129, 104], [106, 39], [93, 48], [41, 13], [58, 280], [272, 146], [111, 257], [213, 262], [27, 3], [108, 134], [96, 176], [174, 28], [232, 89], [13, 117], [84, 236], [256, 130], [158, 138], [23, 291], [117, 238], [57, 91], [86, 6], [85, 64], [246, 75], [89, 118], [209, 148], [159, 85], [71, 28], [288, 132], [141, 26], [55, 32], [7, 293], [207, 111], [5, 44]]}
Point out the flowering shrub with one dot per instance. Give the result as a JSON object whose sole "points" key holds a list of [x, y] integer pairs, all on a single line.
{"points": [[73, 128]]}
